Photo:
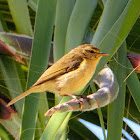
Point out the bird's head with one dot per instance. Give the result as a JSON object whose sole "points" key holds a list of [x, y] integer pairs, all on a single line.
{"points": [[91, 52]]}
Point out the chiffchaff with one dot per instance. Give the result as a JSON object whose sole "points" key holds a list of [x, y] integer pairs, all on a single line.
{"points": [[69, 74]]}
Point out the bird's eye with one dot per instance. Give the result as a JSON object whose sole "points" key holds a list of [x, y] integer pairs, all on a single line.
{"points": [[91, 51]]}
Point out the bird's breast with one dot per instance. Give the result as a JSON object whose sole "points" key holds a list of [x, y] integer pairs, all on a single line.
{"points": [[75, 80]]}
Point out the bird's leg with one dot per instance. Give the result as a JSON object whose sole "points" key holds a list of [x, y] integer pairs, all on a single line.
{"points": [[73, 96], [81, 103], [81, 96], [68, 94]]}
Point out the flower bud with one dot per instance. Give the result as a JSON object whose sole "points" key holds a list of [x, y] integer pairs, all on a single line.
{"points": [[135, 61]]}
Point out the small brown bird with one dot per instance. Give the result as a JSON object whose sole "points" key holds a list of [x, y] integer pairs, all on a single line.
{"points": [[69, 74]]}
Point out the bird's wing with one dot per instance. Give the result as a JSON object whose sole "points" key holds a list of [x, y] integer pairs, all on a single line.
{"points": [[61, 67]]}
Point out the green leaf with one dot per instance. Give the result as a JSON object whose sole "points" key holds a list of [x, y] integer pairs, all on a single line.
{"points": [[43, 107], [1, 27], [77, 26], [9, 70], [12, 125], [40, 55], [56, 126], [133, 39], [101, 121], [3, 134], [92, 85], [118, 31], [108, 19], [20, 14], [33, 4], [81, 130], [63, 11], [133, 84], [116, 118]]}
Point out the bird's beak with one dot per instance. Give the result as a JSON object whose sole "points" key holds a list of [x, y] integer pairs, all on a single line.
{"points": [[103, 54]]}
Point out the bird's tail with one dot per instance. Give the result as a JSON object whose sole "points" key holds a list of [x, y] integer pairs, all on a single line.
{"points": [[24, 94]]}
